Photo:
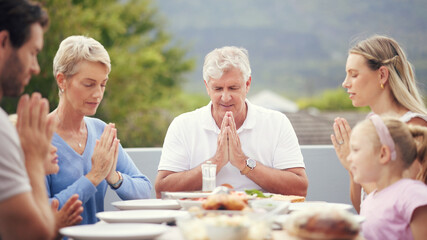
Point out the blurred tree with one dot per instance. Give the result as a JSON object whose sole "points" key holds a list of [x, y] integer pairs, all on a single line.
{"points": [[147, 69], [334, 99]]}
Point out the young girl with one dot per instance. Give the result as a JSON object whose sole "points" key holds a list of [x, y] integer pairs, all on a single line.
{"points": [[381, 149]]}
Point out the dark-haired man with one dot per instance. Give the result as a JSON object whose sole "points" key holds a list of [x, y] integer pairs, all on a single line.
{"points": [[24, 207]]}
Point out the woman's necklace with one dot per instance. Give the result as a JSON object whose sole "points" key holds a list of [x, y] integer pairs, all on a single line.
{"points": [[59, 121]]}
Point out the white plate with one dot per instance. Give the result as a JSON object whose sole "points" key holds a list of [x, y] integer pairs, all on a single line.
{"points": [[303, 205], [140, 216], [180, 195], [114, 231], [188, 203], [147, 204]]}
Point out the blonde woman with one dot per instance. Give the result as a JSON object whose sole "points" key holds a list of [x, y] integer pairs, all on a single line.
{"points": [[91, 158], [379, 76]]}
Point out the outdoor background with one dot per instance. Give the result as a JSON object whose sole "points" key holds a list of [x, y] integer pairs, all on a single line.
{"points": [[297, 49]]}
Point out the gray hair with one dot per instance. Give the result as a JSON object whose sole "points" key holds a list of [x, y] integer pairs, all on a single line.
{"points": [[75, 49], [224, 59]]}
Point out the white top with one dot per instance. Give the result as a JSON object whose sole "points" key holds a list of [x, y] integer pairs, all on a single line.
{"points": [[267, 136], [13, 175], [409, 115]]}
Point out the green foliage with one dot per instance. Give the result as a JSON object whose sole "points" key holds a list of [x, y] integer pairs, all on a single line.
{"points": [[144, 90], [335, 99]]}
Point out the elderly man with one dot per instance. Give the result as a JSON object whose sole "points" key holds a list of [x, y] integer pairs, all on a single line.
{"points": [[24, 207], [253, 147]]}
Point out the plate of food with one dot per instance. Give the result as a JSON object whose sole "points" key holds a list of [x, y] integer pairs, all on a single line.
{"points": [[233, 201], [274, 196], [125, 231], [141, 216], [147, 204]]}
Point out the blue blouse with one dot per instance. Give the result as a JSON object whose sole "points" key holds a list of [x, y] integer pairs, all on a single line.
{"points": [[73, 167]]}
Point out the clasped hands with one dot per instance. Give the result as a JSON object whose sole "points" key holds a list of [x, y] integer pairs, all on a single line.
{"points": [[341, 140], [104, 158], [229, 147]]}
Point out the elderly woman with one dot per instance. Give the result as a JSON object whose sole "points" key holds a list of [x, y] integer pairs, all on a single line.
{"points": [[90, 156]]}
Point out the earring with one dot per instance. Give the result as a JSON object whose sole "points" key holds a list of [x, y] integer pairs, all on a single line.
{"points": [[382, 86], [62, 90]]}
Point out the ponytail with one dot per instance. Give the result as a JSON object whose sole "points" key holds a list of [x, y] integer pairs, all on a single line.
{"points": [[420, 136]]}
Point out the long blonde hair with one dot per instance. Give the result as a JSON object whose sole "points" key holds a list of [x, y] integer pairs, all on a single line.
{"points": [[385, 51]]}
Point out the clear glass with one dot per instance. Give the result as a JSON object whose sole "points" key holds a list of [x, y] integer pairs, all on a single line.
{"points": [[209, 176]]}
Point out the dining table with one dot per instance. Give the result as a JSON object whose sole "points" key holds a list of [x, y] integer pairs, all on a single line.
{"points": [[167, 212], [175, 233]]}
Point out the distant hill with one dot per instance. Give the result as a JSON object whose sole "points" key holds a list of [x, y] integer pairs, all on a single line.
{"points": [[297, 48]]}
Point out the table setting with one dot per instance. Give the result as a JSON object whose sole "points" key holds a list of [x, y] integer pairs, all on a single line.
{"points": [[219, 214]]}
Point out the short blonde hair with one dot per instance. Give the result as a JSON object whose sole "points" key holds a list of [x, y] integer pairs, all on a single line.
{"points": [[385, 51], [75, 49]]}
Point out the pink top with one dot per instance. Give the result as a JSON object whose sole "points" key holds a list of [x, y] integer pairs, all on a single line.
{"points": [[388, 212]]}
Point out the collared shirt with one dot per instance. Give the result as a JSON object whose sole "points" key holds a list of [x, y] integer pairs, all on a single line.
{"points": [[266, 136]]}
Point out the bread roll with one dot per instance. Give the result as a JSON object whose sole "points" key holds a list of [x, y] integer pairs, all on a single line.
{"points": [[322, 223]]}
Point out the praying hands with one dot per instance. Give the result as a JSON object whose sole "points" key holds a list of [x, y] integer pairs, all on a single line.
{"points": [[229, 146]]}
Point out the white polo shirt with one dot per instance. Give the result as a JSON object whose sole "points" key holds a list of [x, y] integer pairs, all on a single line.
{"points": [[266, 136]]}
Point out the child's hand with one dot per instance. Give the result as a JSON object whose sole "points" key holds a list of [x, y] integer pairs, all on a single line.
{"points": [[69, 214]]}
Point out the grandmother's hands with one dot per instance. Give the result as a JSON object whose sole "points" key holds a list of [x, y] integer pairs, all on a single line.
{"points": [[104, 157], [113, 176], [34, 129], [341, 140]]}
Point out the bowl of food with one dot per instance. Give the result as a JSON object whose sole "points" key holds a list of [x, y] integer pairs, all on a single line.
{"points": [[223, 225], [231, 201], [226, 227]]}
